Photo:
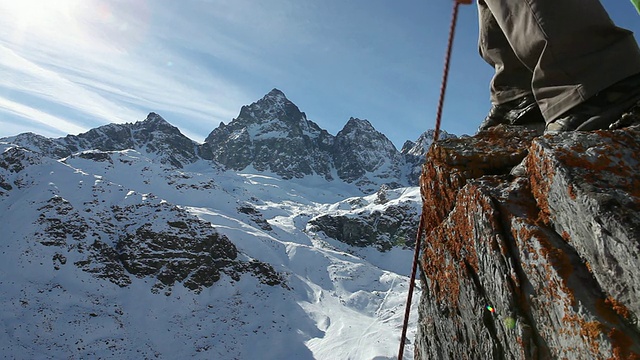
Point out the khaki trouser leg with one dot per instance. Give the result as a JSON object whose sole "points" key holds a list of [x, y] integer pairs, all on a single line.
{"points": [[512, 79], [572, 48]]}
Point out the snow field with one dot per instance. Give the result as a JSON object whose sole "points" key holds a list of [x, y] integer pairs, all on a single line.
{"points": [[341, 302]]}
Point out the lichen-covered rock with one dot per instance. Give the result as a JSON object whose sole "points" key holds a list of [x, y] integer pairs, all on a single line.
{"points": [[452, 161], [537, 267], [587, 186]]}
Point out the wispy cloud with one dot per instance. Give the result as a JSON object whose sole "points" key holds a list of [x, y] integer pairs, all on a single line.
{"points": [[98, 76]]}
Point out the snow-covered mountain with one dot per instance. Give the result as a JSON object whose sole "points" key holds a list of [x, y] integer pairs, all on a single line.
{"points": [[274, 240], [154, 135], [272, 134]]}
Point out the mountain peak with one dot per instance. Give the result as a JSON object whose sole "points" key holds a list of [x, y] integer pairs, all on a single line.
{"points": [[155, 122], [271, 133], [361, 149], [276, 94], [358, 124], [273, 106], [355, 129], [155, 118]]}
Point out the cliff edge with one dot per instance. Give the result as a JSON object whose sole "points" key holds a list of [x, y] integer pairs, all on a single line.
{"points": [[543, 266]]}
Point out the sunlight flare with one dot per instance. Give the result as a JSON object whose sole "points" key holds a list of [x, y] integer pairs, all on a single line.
{"points": [[37, 13]]}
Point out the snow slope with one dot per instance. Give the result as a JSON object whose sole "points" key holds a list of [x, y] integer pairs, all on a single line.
{"points": [[337, 301]]}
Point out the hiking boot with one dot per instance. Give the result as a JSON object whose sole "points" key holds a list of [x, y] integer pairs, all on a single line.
{"points": [[602, 111], [630, 117], [523, 111]]}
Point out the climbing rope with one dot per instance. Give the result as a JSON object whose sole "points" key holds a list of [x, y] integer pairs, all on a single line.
{"points": [[416, 251]]}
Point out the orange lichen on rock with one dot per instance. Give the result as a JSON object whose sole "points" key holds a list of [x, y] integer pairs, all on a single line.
{"points": [[451, 162], [552, 255], [618, 307], [592, 331], [438, 186], [558, 258], [572, 192], [451, 246], [597, 162], [541, 170], [443, 274], [606, 158], [605, 310], [532, 244]]}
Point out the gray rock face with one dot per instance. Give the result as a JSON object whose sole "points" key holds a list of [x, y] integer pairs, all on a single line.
{"points": [[117, 244], [382, 230], [538, 267], [272, 134], [391, 223], [590, 194], [16, 159], [12, 163], [360, 150]]}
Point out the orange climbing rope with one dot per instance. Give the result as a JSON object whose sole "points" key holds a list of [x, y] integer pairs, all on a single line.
{"points": [[416, 251]]}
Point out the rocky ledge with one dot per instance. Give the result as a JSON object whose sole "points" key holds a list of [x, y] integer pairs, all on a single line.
{"points": [[534, 267]]}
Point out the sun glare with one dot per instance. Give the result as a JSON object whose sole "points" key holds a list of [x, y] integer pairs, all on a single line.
{"points": [[37, 13], [99, 25]]}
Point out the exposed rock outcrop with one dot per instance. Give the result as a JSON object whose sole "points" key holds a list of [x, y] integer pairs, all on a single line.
{"points": [[122, 242], [395, 225], [542, 266]]}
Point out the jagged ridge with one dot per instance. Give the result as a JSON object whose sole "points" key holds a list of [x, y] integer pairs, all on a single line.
{"points": [[271, 134]]}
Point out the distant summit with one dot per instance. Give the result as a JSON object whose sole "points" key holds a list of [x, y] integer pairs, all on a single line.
{"points": [[359, 149], [153, 135], [414, 152], [272, 134]]}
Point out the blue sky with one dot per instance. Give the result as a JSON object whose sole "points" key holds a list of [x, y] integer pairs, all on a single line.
{"points": [[71, 65]]}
